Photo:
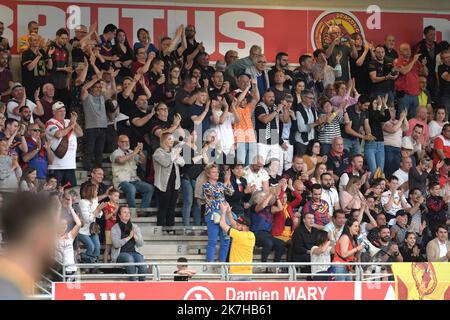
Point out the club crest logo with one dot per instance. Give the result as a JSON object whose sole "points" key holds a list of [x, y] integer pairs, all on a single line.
{"points": [[346, 21]]}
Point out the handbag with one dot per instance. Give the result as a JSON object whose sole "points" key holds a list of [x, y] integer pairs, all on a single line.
{"points": [[62, 148], [94, 228]]}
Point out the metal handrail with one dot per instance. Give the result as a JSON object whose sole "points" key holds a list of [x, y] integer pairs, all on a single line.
{"points": [[291, 275]]}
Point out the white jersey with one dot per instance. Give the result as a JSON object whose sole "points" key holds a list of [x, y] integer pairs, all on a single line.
{"points": [[69, 159], [65, 253]]}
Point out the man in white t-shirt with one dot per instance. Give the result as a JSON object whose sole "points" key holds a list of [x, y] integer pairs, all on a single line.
{"points": [[256, 175], [402, 172], [329, 193], [335, 226], [394, 200], [19, 99], [56, 128]]}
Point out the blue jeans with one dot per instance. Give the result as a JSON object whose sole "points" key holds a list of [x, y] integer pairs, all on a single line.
{"points": [[392, 159], [374, 154], [353, 146], [246, 152], [409, 103], [92, 244], [144, 188], [325, 148], [342, 269], [189, 202], [133, 257], [214, 231]]}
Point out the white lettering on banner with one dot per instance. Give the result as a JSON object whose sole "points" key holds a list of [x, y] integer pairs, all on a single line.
{"points": [[7, 17], [74, 18], [105, 296], [205, 25], [228, 26], [107, 16], [233, 294], [55, 18], [441, 25], [174, 19], [143, 18], [312, 293], [85, 19], [374, 20]]}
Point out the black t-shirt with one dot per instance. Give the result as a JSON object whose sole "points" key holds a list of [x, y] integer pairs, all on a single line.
{"points": [[170, 60], [357, 120], [139, 132], [181, 108], [444, 86], [126, 105], [376, 119], [360, 73], [346, 51], [37, 76], [156, 88], [390, 54], [180, 277], [261, 127], [382, 70], [154, 125], [279, 94]]}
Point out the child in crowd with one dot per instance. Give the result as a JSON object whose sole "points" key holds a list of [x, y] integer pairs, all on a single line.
{"points": [[110, 212], [183, 273]]}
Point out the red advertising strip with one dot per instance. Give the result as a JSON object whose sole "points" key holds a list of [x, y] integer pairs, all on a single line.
{"points": [[222, 28], [224, 291]]}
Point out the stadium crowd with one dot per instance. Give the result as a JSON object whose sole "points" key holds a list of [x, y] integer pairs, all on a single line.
{"points": [[346, 155]]}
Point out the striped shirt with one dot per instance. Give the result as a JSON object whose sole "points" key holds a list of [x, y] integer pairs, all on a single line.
{"points": [[329, 131]]}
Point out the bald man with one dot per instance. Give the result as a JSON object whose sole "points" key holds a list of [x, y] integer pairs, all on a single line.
{"points": [[407, 84]]}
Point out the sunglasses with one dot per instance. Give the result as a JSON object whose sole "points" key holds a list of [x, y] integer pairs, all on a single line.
{"points": [[35, 130]]}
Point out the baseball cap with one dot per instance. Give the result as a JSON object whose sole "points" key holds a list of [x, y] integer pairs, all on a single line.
{"points": [[58, 105], [16, 85], [407, 144], [244, 220], [401, 212]]}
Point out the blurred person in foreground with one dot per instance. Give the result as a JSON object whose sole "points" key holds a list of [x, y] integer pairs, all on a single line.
{"points": [[29, 224]]}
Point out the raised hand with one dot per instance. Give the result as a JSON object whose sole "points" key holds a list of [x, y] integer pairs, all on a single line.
{"points": [[36, 93]]}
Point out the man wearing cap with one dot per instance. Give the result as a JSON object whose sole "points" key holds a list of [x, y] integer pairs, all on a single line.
{"points": [[399, 229], [57, 128], [19, 99], [243, 242]]}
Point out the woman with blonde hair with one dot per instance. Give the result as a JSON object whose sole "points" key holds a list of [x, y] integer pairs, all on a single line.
{"points": [[167, 161], [214, 193], [351, 198]]}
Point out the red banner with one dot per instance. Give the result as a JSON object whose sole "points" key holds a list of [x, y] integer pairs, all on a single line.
{"points": [[224, 291], [223, 27]]}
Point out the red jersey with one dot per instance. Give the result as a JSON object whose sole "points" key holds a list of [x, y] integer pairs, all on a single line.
{"points": [[110, 207]]}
